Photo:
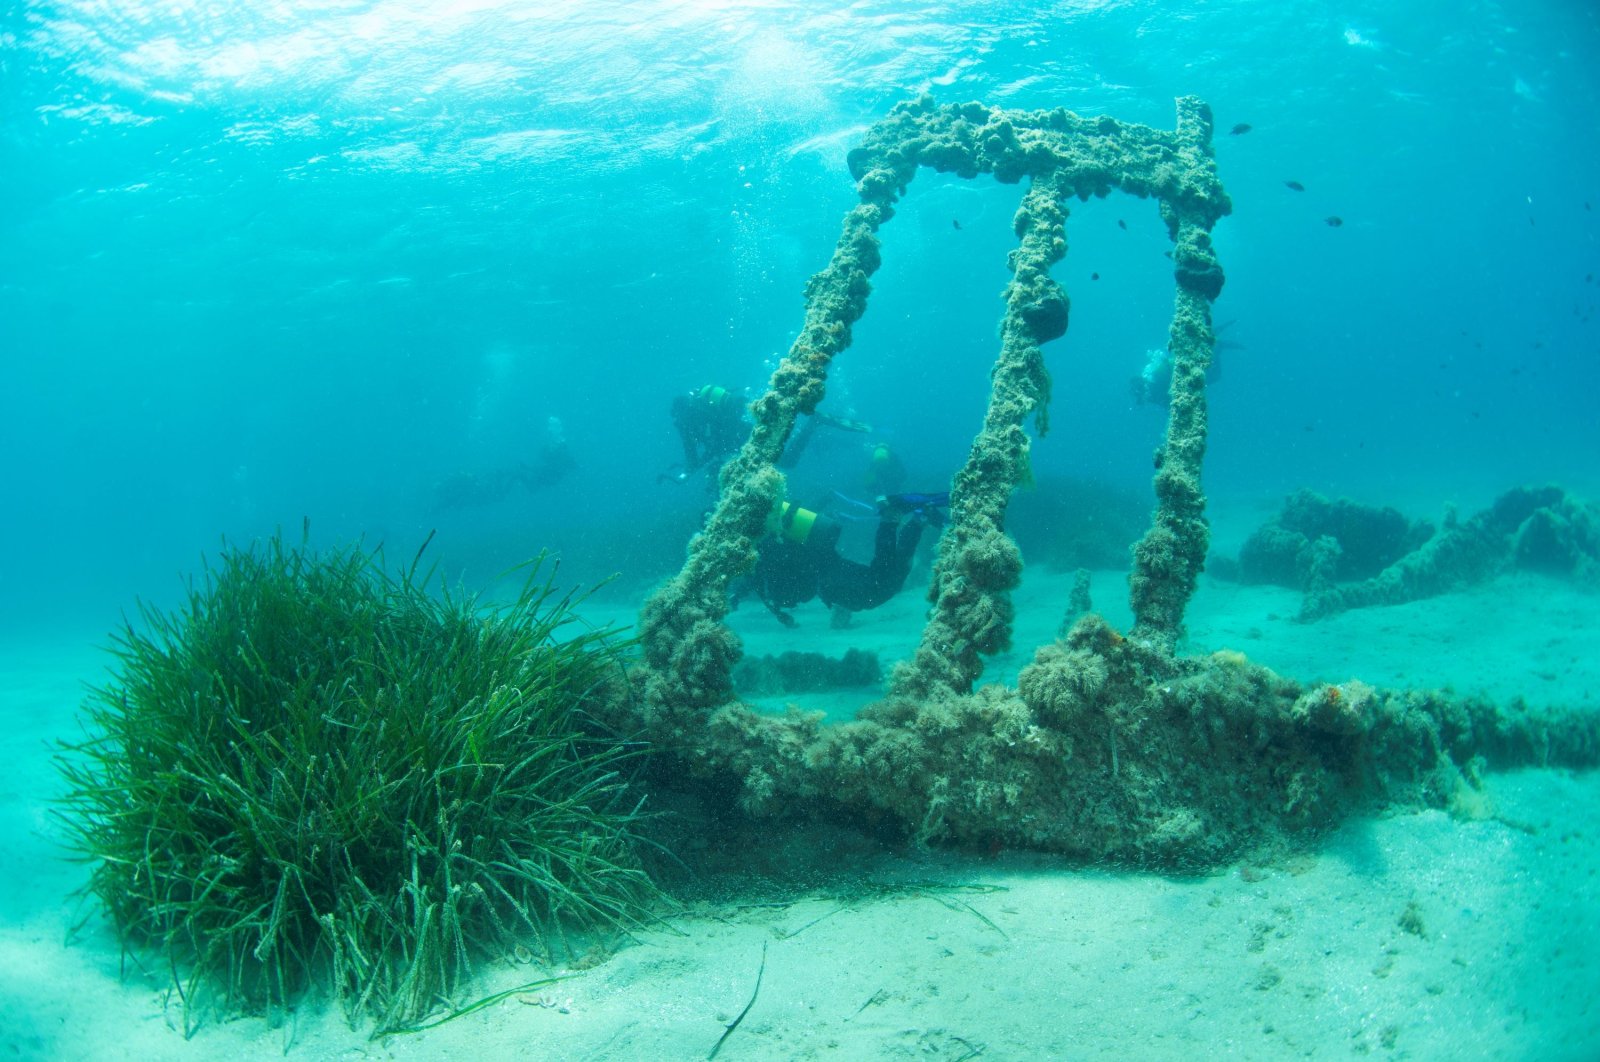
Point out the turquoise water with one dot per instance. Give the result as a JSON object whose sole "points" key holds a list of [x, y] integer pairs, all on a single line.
{"points": [[313, 263], [311, 260]]}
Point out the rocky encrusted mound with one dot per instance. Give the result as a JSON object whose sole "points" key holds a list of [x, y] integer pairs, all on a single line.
{"points": [[1345, 555], [793, 672]]}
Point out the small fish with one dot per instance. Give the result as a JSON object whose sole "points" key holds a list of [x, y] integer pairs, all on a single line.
{"points": [[1239, 130], [1294, 186], [1121, 224], [956, 223], [1094, 276], [1333, 221]]}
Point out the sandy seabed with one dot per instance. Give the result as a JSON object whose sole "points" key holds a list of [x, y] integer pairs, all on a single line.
{"points": [[1413, 934]]}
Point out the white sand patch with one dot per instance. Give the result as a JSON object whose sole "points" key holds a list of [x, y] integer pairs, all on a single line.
{"points": [[1411, 935]]}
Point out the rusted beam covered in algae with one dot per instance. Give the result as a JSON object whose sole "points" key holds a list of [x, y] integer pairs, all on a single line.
{"points": [[1112, 745], [1062, 155]]}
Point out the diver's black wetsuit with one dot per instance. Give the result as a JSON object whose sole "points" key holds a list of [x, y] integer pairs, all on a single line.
{"points": [[788, 573], [846, 584]]}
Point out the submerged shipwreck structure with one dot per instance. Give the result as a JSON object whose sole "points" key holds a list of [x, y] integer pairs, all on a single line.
{"points": [[1112, 745]]}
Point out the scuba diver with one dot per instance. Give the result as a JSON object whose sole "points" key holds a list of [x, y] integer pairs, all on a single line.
{"points": [[711, 425], [799, 560], [554, 460], [1154, 382], [467, 490], [886, 473], [1150, 387]]}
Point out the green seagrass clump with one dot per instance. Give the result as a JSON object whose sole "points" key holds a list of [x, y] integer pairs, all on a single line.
{"points": [[315, 775]]}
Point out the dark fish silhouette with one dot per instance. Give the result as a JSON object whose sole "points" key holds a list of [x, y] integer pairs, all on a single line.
{"points": [[1239, 130], [1121, 224], [1294, 186], [1094, 276], [1334, 221], [956, 223]]}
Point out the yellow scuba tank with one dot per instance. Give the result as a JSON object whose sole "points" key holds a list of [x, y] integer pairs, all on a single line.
{"points": [[791, 523]]}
